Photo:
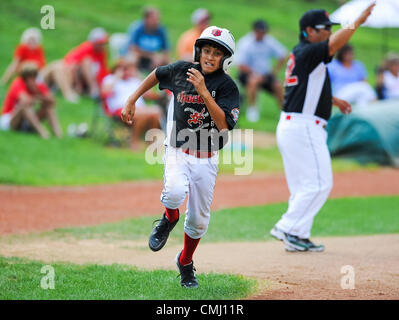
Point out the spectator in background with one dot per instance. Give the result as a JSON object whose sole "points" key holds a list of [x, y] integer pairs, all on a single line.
{"points": [[255, 52], [388, 78], [30, 49], [349, 78], [148, 41], [185, 45], [82, 69], [116, 89], [18, 109]]}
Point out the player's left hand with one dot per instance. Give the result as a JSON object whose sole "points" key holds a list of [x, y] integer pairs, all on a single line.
{"points": [[343, 105], [197, 79]]}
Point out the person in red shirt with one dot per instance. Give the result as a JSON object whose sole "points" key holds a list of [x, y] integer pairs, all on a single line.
{"points": [[18, 111], [29, 50], [185, 44], [82, 68]]}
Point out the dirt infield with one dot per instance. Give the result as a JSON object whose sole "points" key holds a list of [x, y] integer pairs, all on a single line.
{"points": [[27, 209], [374, 260]]}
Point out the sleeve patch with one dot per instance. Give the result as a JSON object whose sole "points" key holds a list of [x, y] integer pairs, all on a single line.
{"points": [[235, 113]]}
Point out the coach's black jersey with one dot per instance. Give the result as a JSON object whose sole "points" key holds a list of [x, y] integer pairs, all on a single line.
{"points": [[307, 83], [193, 127]]}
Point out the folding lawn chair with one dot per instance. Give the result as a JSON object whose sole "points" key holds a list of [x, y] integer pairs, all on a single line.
{"points": [[108, 128]]}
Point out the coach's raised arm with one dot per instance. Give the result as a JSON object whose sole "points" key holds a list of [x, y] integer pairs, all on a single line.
{"points": [[342, 36]]}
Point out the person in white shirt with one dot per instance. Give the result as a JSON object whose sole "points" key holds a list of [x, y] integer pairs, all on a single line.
{"points": [[255, 52], [115, 90], [388, 79], [349, 79]]}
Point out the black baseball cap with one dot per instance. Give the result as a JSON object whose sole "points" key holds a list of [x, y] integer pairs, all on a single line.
{"points": [[315, 17], [260, 25]]}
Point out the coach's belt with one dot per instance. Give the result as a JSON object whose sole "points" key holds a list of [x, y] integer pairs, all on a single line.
{"points": [[288, 117], [199, 154]]}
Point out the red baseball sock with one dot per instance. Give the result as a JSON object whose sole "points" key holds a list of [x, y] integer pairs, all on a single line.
{"points": [[189, 247], [172, 214]]}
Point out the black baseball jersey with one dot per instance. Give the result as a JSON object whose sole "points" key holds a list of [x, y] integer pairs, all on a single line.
{"points": [[307, 83], [193, 127]]}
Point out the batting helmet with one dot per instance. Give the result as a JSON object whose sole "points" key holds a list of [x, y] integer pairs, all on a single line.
{"points": [[222, 38]]}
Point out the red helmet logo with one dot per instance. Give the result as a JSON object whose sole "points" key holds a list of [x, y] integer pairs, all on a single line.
{"points": [[217, 32]]}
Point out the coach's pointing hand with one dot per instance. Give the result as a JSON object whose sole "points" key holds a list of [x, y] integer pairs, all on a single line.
{"points": [[366, 13]]}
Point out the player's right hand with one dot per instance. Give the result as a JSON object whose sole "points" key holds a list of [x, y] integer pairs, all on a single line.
{"points": [[127, 113]]}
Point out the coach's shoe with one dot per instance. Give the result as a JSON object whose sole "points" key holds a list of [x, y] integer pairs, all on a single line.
{"points": [[160, 233], [313, 247], [277, 233], [187, 273], [293, 243]]}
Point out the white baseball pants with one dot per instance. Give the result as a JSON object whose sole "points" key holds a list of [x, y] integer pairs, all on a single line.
{"points": [[186, 174], [302, 142]]}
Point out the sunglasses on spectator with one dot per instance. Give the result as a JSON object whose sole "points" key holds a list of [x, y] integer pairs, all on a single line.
{"points": [[323, 26]]}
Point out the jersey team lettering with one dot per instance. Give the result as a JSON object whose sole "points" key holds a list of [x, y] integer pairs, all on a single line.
{"points": [[184, 98]]}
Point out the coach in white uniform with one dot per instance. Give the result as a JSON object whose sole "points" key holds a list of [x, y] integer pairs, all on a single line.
{"points": [[301, 134]]}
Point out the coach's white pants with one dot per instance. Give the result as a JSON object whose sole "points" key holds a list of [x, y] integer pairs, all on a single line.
{"points": [[185, 174], [302, 141]]}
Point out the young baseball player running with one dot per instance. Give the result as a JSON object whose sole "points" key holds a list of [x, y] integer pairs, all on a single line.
{"points": [[301, 134], [204, 107]]}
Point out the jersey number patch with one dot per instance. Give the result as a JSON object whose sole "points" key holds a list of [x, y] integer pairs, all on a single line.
{"points": [[290, 80]]}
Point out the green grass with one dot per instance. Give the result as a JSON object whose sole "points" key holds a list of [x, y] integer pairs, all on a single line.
{"points": [[339, 217], [269, 161], [20, 279], [70, 162], [74, 20], [25, 159]]}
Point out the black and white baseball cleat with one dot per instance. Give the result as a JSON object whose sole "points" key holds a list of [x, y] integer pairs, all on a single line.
{"points": [[277, 233], [187, 273], [160, 233]]}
